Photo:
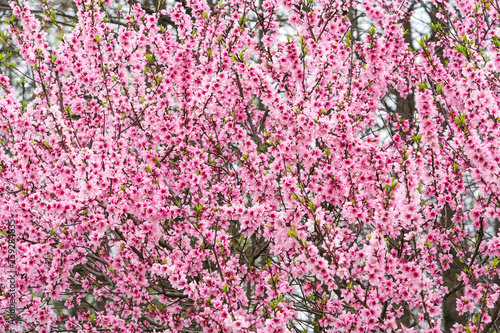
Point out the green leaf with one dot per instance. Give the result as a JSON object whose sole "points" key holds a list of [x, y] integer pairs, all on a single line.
{"points": [[495, 262], [421, 42], [311, 206], [417, 138], [423, 86], [439, 88]]}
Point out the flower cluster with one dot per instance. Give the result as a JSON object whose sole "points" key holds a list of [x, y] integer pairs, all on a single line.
{"points": [[219, 177]]}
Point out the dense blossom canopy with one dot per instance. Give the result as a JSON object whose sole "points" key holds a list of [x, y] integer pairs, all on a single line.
{"points": [[220, 177]]}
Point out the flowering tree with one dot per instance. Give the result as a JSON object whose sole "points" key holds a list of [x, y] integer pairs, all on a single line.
{"points": [[220, 177]]}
